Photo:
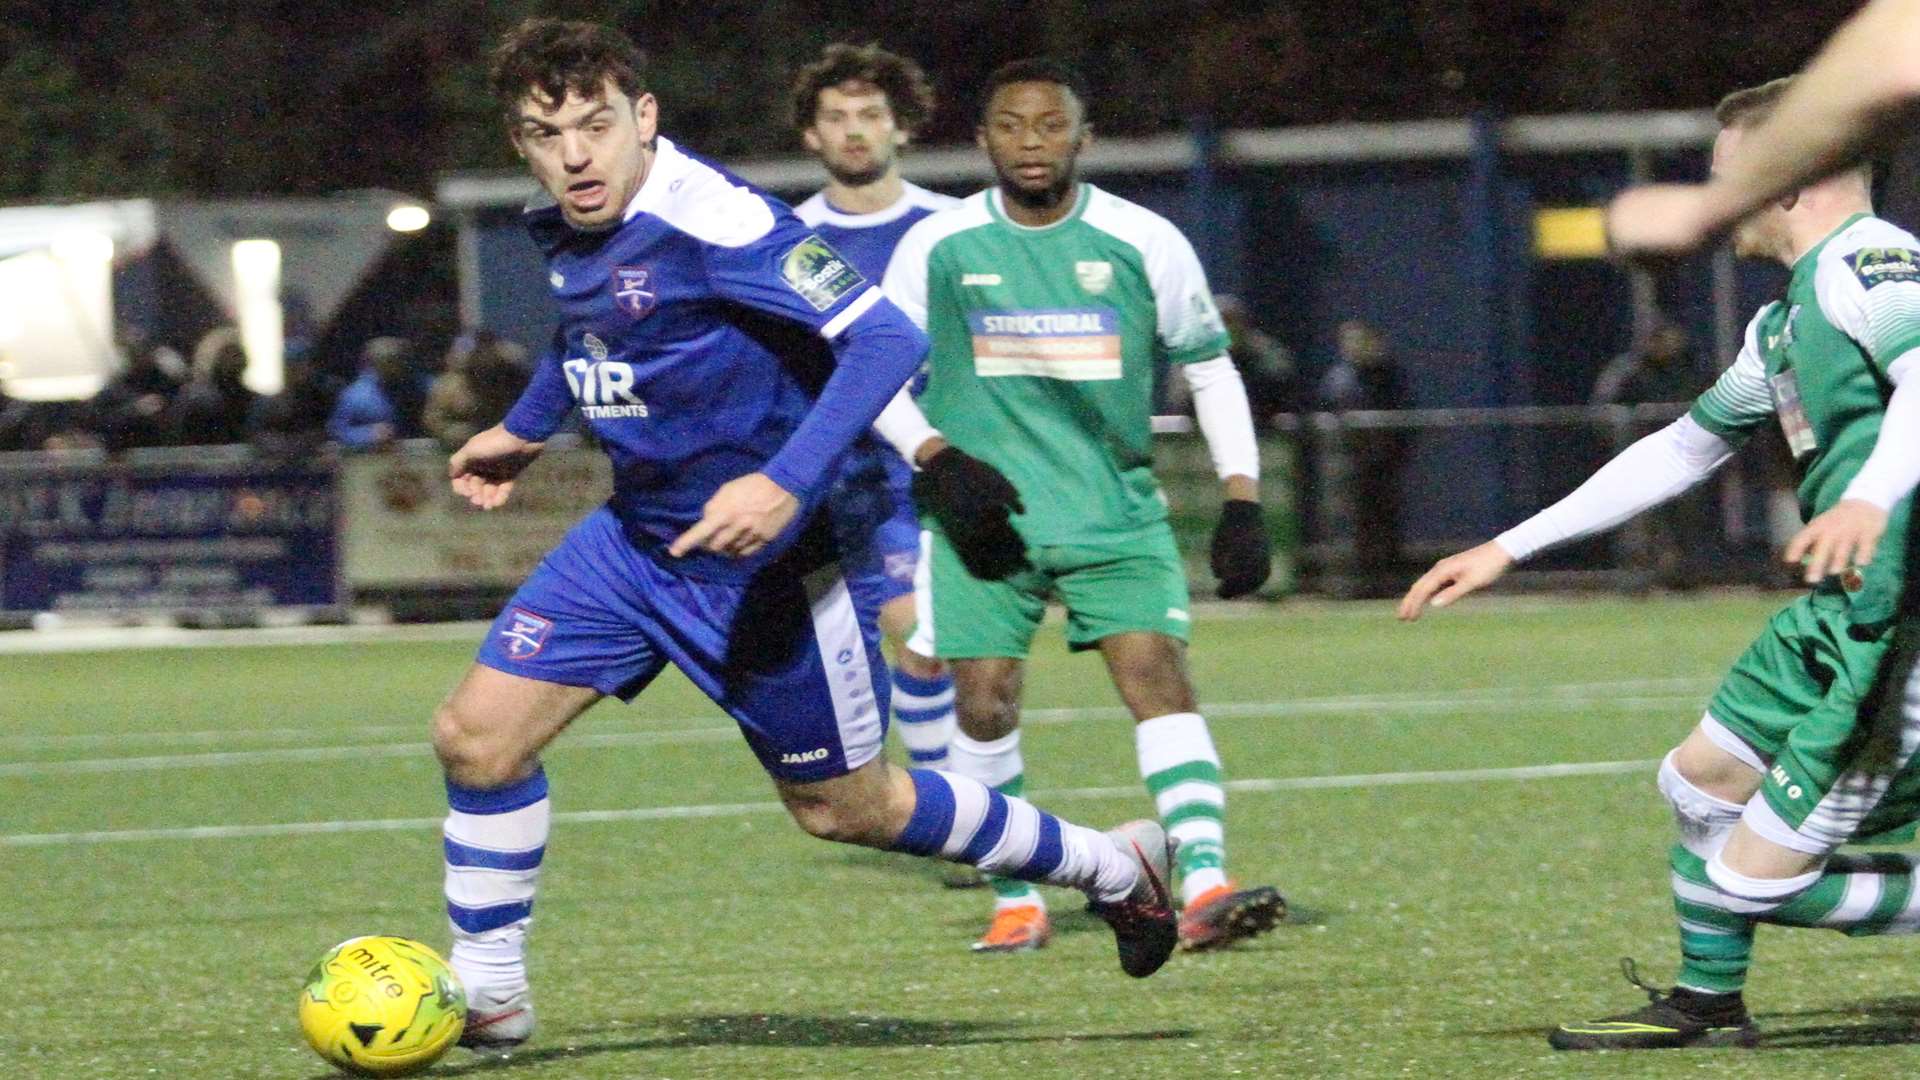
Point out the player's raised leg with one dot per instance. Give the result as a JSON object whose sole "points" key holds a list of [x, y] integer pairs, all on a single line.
{"points": [[488, 734], [1182, 772], [1757, 840], [1124, 872], [806, 682]]}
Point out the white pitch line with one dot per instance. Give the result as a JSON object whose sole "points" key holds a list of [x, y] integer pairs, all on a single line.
{"points": [[601, 740], [718, 810], [123, 638], [1658, 691]]}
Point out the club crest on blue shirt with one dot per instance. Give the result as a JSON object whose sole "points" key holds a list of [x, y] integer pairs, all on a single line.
{"points": [[526, 634], [630, 291]]}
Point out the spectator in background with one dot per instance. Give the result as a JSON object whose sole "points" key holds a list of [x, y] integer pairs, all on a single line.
{"points": [[212, 409], [385, 402], [294, 421], [1674, 538], [13, 423], [45, 425], [1365, 378], [1265, 365], [1662, 366], [131, 410], [485, 374]]}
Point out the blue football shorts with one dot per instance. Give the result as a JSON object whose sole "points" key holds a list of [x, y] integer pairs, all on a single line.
{"points": [[786, 655]]}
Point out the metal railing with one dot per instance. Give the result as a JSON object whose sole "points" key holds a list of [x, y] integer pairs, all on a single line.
{"points": [[1444, 479]]}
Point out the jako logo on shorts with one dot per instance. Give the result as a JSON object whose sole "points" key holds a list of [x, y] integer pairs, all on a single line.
{"points": [[1074, 344]]}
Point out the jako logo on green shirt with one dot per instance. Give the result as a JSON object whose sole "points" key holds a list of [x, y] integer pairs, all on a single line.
{"points": [[819, 274]]}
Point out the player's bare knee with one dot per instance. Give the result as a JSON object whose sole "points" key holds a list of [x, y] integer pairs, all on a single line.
{"points": [[838, 820], [1705, 820], [471, 752], [986, 717], [1707, 766], [920, 667]]}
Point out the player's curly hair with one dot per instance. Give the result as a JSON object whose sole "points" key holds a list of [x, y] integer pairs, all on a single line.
{"points": [[1043, 69], [908, 92], [551, 57]]}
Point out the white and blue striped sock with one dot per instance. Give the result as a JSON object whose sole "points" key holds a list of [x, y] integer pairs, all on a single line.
{"points": [[966, 821], [494, 842], [923, 714]]}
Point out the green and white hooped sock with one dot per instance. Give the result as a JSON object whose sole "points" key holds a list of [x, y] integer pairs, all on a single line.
{"points": [[1182, 771], [999, 765]]}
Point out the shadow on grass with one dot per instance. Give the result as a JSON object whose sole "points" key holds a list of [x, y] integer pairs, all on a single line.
{"points": [[784, 1030], [1887, 1022]]}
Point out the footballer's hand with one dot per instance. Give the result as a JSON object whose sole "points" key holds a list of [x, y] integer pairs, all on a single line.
{"points": [[1654, 220], [741, 518], [484, 468], [1242, 552], [1454, 577], [1843, 537], [974, 503]]}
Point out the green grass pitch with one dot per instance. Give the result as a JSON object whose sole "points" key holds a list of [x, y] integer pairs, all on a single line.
{"points": [[1447, 908]]}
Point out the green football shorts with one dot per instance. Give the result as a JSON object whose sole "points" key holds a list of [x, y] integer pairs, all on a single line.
{"points": [[1824, 704], [1134, 582]]}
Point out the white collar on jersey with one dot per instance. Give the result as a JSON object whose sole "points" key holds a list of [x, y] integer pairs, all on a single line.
{"points": [[1000, 205], [668, 165], [911, 196]]}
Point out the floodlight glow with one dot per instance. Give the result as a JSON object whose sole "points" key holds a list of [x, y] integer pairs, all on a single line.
{"points": [[255, 260], [83, 248], [408, 217], [256, 304]]}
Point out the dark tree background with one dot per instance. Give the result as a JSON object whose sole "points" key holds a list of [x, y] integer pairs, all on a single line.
{"points": [[219, 97]]}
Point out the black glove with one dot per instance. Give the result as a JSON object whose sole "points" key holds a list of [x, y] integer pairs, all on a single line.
{"points": [[1242, 554], [972, 500]]}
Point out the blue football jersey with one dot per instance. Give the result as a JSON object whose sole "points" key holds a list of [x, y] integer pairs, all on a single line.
{"points": [[869, 239], [709, 335]]}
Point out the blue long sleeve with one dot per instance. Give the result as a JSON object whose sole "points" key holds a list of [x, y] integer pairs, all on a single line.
{"points": [[545, 403], [874, 357]]}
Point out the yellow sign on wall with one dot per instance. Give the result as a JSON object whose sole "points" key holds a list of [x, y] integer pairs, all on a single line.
{"points": [[1574, 232]]}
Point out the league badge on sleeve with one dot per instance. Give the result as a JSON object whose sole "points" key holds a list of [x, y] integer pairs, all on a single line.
{"points": [[819, 273], [1878, 266], [526, 634], [631, 292]]}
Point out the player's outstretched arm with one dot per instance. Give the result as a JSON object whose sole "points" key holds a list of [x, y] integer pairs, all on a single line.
{"points": [[1848, 533], [1868, 71], [484, 469], [1454, 577], [745, 515]]}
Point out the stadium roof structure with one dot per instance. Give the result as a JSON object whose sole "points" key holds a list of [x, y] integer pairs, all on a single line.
{"points": [[58, 261]]}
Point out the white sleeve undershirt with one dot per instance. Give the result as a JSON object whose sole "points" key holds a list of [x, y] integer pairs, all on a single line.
{"points": [[1893, 468], [1220, 405], [904, 426], [1642, 476]]}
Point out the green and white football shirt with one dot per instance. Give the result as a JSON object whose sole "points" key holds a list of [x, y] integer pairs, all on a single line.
{"points": [[1044, 348], [1818, 361]]}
